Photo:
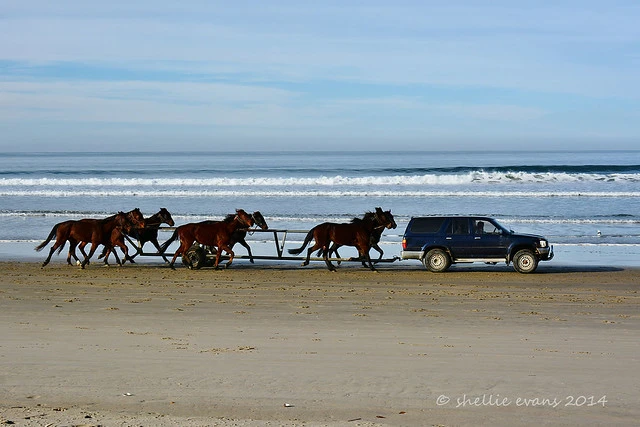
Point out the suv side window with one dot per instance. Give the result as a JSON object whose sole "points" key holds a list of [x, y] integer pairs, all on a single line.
{"points": [[426, 225], [459, 226]]}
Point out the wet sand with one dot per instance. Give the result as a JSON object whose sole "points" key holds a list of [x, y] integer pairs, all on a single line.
{"points": [[283, 345]]}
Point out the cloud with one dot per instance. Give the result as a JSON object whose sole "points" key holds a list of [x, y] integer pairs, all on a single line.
{"points": [[330, 68]]}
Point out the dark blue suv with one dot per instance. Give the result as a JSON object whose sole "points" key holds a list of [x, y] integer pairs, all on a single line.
{"points": [[439, 241]]}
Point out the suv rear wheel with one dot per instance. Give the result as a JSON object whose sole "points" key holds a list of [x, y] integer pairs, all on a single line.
{"points": [[525, 261], [437, 260]]}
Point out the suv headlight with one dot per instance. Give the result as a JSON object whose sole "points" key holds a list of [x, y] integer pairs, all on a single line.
{"points": [[543, 243]]}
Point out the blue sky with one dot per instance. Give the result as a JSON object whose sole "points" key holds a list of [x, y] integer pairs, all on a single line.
{"points": [[254, 75]]}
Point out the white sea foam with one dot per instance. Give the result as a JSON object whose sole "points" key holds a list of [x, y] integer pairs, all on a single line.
{"points": [[200, 193], [475, 177]]}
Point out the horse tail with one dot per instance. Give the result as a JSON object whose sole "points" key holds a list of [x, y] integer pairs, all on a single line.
{"points": [[166, 244], [304, 244], [46, 242]]}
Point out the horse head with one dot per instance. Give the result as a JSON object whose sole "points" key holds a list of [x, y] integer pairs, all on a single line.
{"points": [[135, 217], [393, 220], [244, 218], [260, 221], [385, 218], [121, 220], [165, 217]]}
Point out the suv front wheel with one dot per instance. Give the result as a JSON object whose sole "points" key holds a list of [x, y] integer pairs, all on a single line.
{"points": [[525, 261], [437, 261]]}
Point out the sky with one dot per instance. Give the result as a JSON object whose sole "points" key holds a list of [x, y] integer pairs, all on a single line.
{"points": [[127, 75]]}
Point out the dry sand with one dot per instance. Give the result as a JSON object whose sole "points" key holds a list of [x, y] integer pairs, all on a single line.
{"points": [[284, 345]]}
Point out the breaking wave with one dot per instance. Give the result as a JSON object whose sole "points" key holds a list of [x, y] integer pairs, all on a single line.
{"points": [[471, 177], [203, 193]]}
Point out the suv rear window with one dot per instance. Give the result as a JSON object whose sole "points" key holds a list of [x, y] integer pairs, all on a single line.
{"points": [[426, 225]]}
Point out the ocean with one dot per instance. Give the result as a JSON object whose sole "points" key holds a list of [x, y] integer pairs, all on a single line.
{"points": [[586, 203]]}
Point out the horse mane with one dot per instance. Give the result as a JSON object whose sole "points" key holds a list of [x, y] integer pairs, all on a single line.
{"points": [[368, 216], [229, 218]]}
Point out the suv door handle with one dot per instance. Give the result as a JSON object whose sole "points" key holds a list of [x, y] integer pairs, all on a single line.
{"points": [[478, 238], [448, 238]]}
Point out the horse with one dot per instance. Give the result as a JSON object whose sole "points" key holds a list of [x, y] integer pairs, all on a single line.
{"points": [[148, 233], [209, 233], [116, 238], [239, 235], [375, 238], [62, 232], [356, 233], [95, 231]]}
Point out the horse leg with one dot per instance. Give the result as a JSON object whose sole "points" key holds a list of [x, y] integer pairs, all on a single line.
{"points": [[379, 249], [53, 249], [228, 250], [125, 251], [217, 261], [94, 246], [246, 245], [364, 253], [334, 250], [46, 261], [72, 252], [139, 249], [81, 246], [325, 256], [181, 249], [115, 254], [105, 254], [157, 245]]}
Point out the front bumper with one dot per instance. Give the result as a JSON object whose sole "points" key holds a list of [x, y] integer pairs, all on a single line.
{"points": [[545, 254]]}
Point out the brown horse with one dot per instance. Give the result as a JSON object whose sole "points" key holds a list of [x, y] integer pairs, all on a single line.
{"points": [[376, 234], [96, 231], [356, 233], [116, 238], [148, 233], [209, 233], [240, 234]]}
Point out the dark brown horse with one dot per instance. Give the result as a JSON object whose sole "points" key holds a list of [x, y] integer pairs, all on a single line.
{"points": [[356, 233], [94, 231], [148, 233], [240, 234], [376, 234], [218, 234]]}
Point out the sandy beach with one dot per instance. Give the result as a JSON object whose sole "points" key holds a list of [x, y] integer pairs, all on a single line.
{"points": [[275, 345]]}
